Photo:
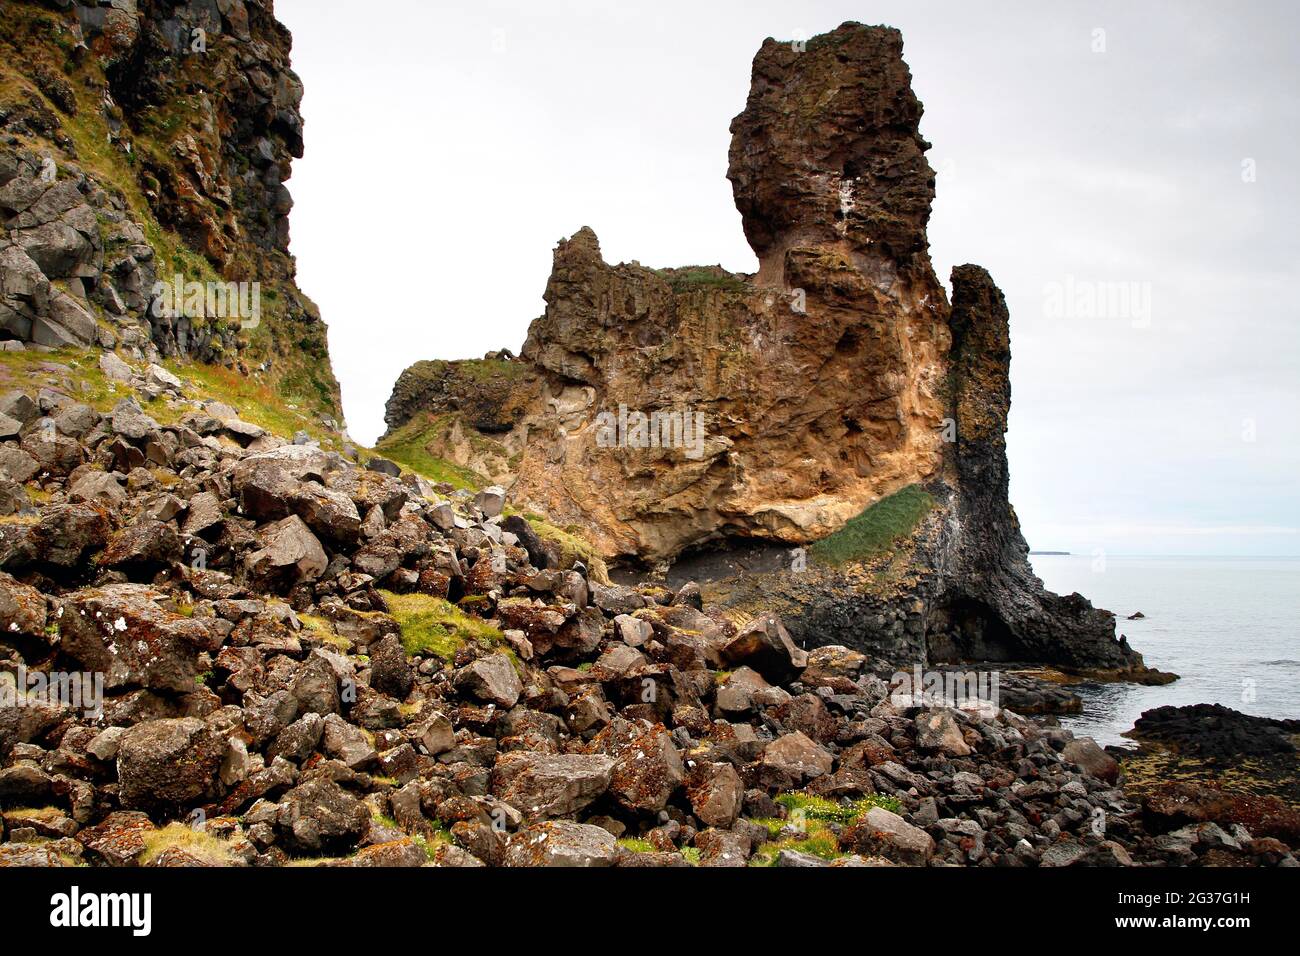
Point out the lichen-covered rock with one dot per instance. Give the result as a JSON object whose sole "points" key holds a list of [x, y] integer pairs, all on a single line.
{"points": [[884, 833], [168, 764], [542, 786], [561, 843], [320, 815], [124, 632], [23, 609], [647, 767]]}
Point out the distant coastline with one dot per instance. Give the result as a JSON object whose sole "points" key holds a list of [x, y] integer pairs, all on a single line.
{"points": [[1049, 552]]}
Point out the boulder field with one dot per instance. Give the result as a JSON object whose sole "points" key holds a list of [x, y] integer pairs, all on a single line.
{"points": [[297, 658]]}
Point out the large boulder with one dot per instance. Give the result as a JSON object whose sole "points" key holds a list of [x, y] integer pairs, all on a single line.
{"points": [[716, 793], [124, 632], [315, 687], [798, 755], [883, 833], [765, 645], [542, 786], [561, 843], [321, 816], [18, 464], [22, 609], [168, 765], [937, 730], [647, 767], [390, 671], [290, 554], [62, 539], [57, 454], [492, 679], [99, 487], [1085, 754], [142, 549]]}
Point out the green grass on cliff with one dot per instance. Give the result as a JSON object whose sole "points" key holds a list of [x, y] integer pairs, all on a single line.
{"points": [[478, 370], [877, 528], [409, 446], [300, 369], [690, 278], [255, 401]]}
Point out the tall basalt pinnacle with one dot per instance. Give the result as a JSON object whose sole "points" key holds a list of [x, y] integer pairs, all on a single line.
{"points": [[990, 593], [827, 153], [834, 379]]}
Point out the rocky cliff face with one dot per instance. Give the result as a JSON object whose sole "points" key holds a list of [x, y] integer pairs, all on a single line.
{"points": [[149, 142], [836, 377]]}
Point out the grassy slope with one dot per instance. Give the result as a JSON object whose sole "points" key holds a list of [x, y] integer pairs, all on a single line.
{"points": [[409, 447], [876, 529]]}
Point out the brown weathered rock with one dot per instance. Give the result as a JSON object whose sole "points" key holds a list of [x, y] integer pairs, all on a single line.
{"points": [[938, 730], [168, 764], [123, 631], [647, 767], [1084, 753], [142, 549], [765, 645], [22, 608], [561, 843], [492, 679], [542, 786], [883, 833], [798, 756], [321, 816], [716, 793], [289, 551], [119, 839]]}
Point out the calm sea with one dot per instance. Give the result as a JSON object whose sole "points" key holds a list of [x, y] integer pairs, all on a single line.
{"points": [[1229, 626]]}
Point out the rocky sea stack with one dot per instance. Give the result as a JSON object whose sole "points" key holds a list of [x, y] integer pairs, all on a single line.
{"points": [[845, 403]]}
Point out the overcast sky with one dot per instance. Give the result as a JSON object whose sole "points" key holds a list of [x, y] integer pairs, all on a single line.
{"points": [[1143, 153]]}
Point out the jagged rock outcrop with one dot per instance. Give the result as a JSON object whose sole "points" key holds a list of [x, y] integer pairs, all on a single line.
{"points": [[835, 377], [147, 142]]}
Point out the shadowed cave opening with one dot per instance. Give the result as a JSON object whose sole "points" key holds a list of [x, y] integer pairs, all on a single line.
{"points": [[963, 629]]}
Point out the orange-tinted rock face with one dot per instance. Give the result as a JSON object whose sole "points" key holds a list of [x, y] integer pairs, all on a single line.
{"points": [[819, 381]]}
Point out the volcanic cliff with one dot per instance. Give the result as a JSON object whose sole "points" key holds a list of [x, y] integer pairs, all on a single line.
{"points": [[841, 392], [144, 141]]}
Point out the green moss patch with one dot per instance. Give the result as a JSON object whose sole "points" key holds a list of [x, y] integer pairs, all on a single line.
{"points": [[692, 278], [435, 626]]}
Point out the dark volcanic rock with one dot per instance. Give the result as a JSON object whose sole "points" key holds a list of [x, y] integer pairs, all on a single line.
{"points": [[1215, 731]]}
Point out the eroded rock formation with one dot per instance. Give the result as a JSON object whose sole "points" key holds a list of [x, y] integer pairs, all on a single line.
{"points": [[836, 376]]}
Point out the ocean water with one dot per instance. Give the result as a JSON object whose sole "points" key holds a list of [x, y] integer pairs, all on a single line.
{"points": [[1230, 627]]}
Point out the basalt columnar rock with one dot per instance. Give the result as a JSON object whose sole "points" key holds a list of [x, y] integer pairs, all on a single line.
{"points": [[144, 149], [835, 396]]}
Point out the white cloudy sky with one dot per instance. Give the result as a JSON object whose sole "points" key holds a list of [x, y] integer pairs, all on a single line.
{"points": [[450, 145]]}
